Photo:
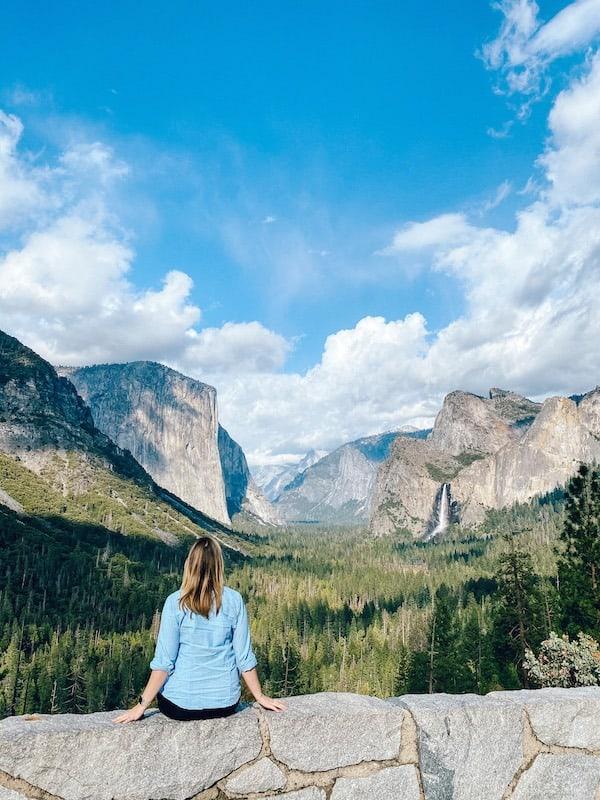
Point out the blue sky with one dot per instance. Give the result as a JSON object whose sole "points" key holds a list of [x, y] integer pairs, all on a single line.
{"points": [[370, 114], [271, 152]]}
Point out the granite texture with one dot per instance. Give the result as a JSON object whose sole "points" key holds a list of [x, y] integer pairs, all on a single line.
{"points": [[521, 745]]}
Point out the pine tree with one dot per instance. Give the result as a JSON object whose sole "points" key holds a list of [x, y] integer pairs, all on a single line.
{"points": [[579, 561], [402, 676], [519, 614], [443, 642]]}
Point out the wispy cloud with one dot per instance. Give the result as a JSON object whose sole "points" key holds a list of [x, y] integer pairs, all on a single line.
{"points": [[23, 97], [500, 195], [526, 46]]}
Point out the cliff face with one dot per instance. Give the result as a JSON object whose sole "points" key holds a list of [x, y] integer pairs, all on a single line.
{"points": [[242, 494], [468, 423], [166, 420], [492, 452], [339, 487], [562, 436], [407, 485], [521, 745]]}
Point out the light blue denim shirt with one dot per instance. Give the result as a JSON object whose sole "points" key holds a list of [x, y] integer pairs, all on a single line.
{"points": [[204, 656]]}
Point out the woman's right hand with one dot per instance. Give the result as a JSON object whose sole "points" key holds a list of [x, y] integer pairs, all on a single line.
{"points": [[271, 703], [135, 713]]}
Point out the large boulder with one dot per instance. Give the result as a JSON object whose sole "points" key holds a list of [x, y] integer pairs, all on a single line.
{"points": [[560, 777], [563, 717], [390, 783]]}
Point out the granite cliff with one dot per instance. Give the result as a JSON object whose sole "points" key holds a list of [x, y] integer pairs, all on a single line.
{"points": [[169, 422], [564, 434], [489, 453]]}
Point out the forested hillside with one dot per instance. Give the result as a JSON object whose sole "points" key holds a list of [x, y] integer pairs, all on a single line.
{"points": [[330, 609]]}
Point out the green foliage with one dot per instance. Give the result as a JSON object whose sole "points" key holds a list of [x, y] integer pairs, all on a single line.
{"points": [[331, 609], [561, 662], [467, 458], [520, 621], [579, 557], [445, 474], [92, 494], [439, 474]]}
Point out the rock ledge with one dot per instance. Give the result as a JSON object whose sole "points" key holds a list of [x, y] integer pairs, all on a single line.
{"points": [[523, 745]]}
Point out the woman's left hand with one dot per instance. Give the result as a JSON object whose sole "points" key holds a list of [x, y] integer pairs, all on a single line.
{"points": [[135, 713]]}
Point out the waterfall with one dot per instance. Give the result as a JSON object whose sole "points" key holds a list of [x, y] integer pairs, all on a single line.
{"points": [[442, 512]]}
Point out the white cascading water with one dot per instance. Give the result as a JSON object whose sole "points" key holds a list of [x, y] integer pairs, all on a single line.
{"points": [[443, 514]]}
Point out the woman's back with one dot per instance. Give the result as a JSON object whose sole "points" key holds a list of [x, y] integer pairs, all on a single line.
{"points": [[204, 656]]}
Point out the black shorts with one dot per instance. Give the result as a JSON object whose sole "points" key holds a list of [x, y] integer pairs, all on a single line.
{"points": [[174, 711]]}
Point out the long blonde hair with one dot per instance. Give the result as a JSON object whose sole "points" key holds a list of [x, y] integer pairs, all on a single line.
{"points": [[203, 577]]}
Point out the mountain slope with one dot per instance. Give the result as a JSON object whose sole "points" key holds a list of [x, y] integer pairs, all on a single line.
{"points": [[273, 479], [54, 462], [337, 488]]}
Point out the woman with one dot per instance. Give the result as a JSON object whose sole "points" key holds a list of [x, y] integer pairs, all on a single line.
{"points": [[203, 646]]}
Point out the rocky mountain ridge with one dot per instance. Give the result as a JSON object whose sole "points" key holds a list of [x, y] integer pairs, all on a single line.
{"points": [[337, 488], [490, 453], [272, 479]]}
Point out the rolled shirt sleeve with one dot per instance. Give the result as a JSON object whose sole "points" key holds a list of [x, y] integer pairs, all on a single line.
{"points": [[167, 644], [242, 644]]}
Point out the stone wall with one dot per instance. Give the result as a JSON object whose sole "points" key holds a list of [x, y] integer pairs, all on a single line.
{"points": [[523, 745]]}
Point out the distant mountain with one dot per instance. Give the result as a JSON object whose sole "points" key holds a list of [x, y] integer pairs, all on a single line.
{"points": [[273, 478], [169, 422], [488, 452], [337, 488], [56, 464]]}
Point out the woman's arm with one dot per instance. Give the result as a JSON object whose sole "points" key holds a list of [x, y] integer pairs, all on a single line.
{"points": [[163, 663], [153, 687], [246, 662], [253, 683]]}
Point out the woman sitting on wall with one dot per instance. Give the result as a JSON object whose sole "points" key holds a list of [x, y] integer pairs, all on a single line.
{"points": [[203, 646]]}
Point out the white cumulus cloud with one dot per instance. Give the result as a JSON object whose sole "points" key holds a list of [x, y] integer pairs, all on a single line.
{"points": [[66, 283]]}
